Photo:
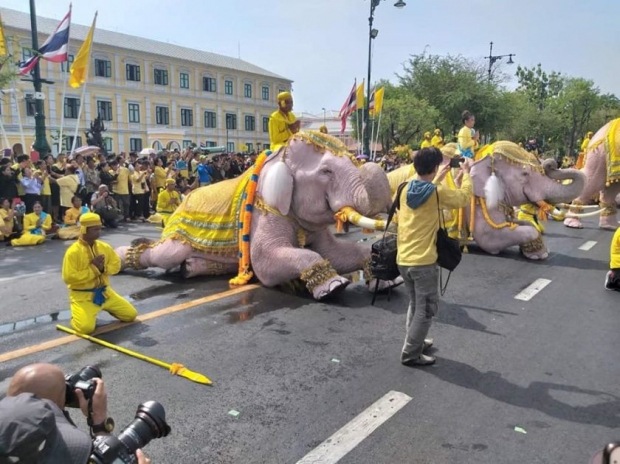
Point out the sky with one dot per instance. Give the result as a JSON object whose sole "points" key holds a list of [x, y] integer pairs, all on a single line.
{"points": [[322, 45]]}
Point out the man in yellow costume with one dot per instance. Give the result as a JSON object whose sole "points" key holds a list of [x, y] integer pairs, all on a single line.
{"points": [[581, 159], [437, 140], [86, 269], [282, 122], [612, 280], [168, 200], [427, 140]]}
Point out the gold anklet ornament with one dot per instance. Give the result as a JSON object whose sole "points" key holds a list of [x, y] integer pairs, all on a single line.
{"points": [[318, 274], [532, 246]]}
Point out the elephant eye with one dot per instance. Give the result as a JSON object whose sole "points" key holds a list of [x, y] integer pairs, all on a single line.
{"points": [[326, 171]]}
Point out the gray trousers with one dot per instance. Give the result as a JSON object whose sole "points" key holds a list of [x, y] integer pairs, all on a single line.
{"points": [[124, 204], [421, 283]]}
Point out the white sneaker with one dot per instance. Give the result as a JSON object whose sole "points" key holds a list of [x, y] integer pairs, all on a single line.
{"points": [[607, 281]]}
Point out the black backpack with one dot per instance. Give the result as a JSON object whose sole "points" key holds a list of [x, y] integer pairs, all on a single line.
{"points": [[384, 251]]}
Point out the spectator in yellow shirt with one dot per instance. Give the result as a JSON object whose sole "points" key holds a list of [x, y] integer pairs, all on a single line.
{"points": [[120, 188], [468, 137], [427, 140], [612, 280], [437, 140], [282, 122], [168, 200]]}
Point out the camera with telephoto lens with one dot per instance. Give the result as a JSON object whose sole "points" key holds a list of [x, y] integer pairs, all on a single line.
{"points": [[149, 423], [82, 380]]}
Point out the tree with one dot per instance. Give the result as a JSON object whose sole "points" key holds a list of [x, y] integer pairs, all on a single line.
{"points": [[538, 85]]}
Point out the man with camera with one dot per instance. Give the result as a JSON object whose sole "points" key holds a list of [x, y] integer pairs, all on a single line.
{"points": [[36, 428]]}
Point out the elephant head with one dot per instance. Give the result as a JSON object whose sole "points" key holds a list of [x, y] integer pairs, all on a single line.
{"points": [[313, 177], [514, 177]]}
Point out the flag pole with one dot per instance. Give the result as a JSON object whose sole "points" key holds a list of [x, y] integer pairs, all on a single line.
{"points": [[62, 106], [378, 132], [4, 136]]}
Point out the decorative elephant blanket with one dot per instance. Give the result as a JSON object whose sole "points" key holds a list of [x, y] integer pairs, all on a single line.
{"points": [[612, 150]]}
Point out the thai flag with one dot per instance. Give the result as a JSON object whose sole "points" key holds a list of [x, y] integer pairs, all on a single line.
{"points": [[54, 49], [350, 105]]}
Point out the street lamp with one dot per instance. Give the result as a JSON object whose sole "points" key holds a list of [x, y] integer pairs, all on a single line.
{"points": [[324, 118], [493, 58], [372, 34]]}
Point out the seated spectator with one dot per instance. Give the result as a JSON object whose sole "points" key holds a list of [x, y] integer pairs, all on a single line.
{"points": [[612, 280], [168, 200], [8, 229], [36, 225], [105, 206], [71, 226]]}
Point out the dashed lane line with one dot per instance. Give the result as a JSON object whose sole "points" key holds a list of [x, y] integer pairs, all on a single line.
{"points": [[532, 290], [588, 245], [352, 434], [11, 355]]}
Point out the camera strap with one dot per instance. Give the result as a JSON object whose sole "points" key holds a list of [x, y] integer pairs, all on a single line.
{"points": [[89, 419]]}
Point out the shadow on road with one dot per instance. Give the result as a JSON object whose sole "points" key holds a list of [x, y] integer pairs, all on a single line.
{"points": [[535, 396]]}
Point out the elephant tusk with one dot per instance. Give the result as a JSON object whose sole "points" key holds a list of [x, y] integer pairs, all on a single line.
{"points": [[584, 215], [357, 219], [567, 206]]}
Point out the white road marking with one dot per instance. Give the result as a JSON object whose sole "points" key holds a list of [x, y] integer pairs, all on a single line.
{"points": [[588, 245], [348, 437], [531, 291], [22, 276]]}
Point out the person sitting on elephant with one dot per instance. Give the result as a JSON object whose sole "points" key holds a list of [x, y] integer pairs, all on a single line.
{"points": [[418, 223], [581, 159], [612, 279], [427, 140], [282, 122], [468, 137], [437, 140]]}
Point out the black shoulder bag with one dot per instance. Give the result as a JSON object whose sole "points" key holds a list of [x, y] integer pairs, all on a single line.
{"points": [[384, 251], [449, 252]]}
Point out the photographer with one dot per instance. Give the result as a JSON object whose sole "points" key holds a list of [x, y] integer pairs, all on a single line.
{"points": [[105, 206], [47, 383]]}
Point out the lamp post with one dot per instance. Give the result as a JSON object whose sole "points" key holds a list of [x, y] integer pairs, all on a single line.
{"points": [[324, 118], [40, 143], [493, 58], [372, 35]]}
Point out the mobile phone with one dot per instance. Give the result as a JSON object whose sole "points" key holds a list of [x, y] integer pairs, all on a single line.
{"points": [[456, 162]]}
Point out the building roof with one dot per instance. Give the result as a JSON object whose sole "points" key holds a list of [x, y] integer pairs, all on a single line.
{"points": [[20, 20]]}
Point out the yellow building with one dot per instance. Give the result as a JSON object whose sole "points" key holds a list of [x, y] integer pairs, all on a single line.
{"points": [[148, 93]]}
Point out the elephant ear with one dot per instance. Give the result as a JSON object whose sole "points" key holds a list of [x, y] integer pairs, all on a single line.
{"points": [[277, 188]]}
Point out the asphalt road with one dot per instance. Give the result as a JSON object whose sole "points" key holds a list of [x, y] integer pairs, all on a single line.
{"points": [[297, 371]]}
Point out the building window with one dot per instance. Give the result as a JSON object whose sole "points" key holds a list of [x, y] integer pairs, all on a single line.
{"points": [[208, 84], [250, 146], [31, 104], [160, 77], [132, 72], [228, 87], [187, 117], [134, 112], [247, 90], [230, 147], [65, 66], [72, 107], [103, 68], [135, 144], [107, 143], [210, 144], [187, 143], [265, 124], [162, 115], [69, 142], [184, 80], [210, 121], [281, 90], [265, 93], [250, 123], [231, 121], [104, 110]]}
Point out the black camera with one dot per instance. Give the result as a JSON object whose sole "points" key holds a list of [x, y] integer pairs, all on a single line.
{"points": [[82, 380], [149, 423], [456, 162]]}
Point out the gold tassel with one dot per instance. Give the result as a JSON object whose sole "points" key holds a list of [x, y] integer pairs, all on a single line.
{"points": [[339, 227]]}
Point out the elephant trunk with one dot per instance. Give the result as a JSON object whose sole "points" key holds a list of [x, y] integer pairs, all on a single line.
{"points": [[355, 218], [558, 192]]}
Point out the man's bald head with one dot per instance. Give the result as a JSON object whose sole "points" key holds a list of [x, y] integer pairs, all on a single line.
{"points": [[43, 380]]}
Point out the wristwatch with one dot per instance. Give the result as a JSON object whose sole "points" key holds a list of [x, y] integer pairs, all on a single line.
{"points": [[105, 427]]}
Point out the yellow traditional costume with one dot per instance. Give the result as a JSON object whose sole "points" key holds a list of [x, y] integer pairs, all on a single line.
{"points": [[279, 124], [437, 140], [529, 212], [34, 234], [466, 143], [167, 202], [89, 288], [71, 227], [6, 225], [581, 159], [427, 140]]}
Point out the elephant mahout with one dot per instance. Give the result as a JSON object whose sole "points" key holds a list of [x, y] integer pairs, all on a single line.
{"points": [[506, 176], [273, 222], [602, 171]]}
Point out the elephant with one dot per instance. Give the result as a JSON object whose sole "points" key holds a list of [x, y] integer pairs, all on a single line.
{"points": [[602, 171], [516, 177], [273, 222]]}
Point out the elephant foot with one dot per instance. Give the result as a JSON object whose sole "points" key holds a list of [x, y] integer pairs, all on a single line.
{"points": [[573, 223], [122, 252], [193, 267], [608, 222], [534, 250], [385, 285], [330, 288]]}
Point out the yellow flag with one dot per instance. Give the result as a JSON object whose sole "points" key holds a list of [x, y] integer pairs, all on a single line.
{"points": [[79, 68], [360, 96], [3, 50], [379, 100]]}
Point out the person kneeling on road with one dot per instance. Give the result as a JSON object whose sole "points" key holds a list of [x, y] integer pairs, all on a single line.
{"points": [[418, 223], [612, 280], [35, 427], [86, 269]]}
